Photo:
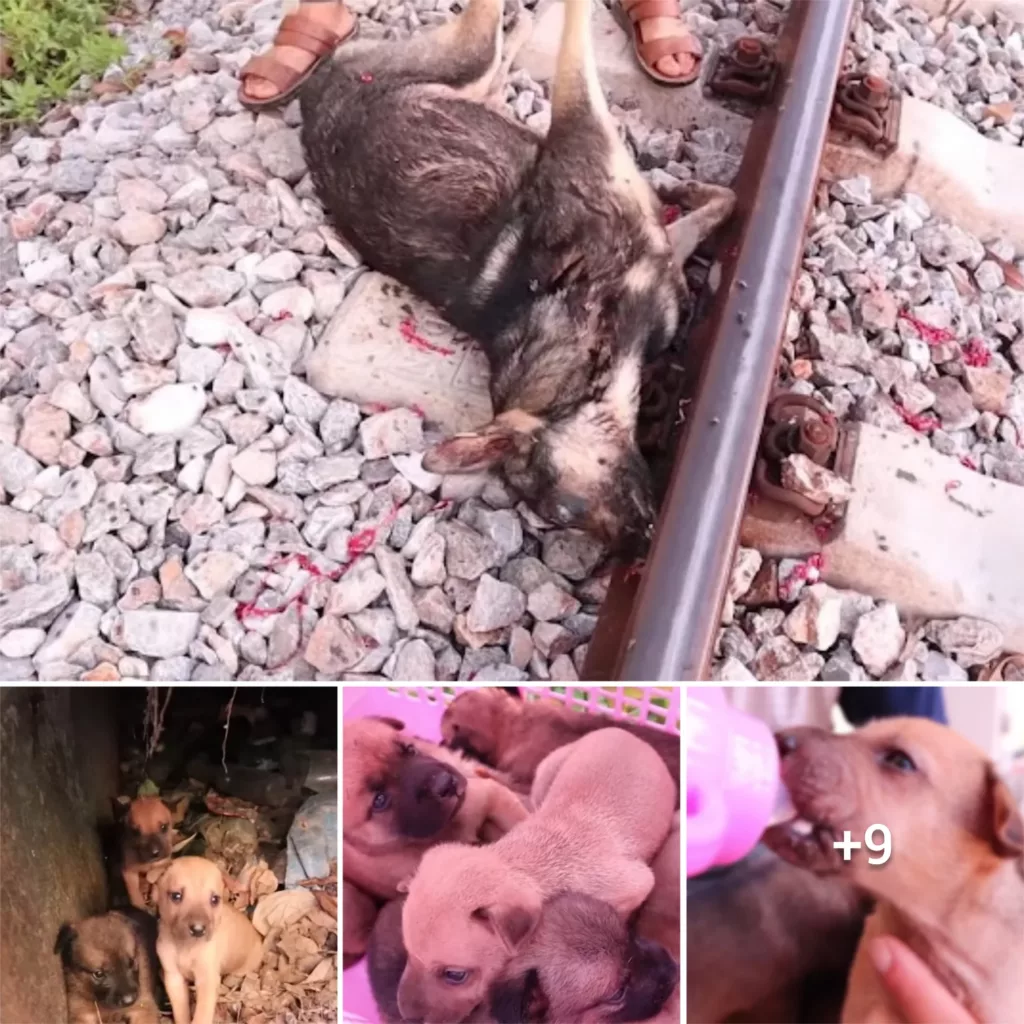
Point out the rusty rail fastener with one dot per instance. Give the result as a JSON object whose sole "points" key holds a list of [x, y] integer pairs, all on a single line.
{"points": [[794, 424], [868, 107], [746, 70]]}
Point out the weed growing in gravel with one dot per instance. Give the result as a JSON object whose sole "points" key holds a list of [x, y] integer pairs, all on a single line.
{"points": [[50, 44]]}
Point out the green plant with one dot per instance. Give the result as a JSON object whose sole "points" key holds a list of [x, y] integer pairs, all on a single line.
{"points": [[51, 44]]}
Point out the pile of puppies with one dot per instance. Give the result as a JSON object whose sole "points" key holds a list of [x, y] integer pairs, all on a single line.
{"points": [[118, 965], [476, 902]]}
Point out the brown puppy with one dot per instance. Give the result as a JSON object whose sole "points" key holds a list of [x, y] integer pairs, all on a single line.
{"points": [[953, 886], [201, 938], [109, 968], [603, 809], [147, 836], [402, 795], [516, 735], [580, 965]]}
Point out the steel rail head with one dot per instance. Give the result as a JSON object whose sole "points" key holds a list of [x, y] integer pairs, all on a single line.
{"points": [[676, 614]]}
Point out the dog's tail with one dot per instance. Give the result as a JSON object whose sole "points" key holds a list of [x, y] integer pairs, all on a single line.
{"points": [[576, 88], [464, 53]]}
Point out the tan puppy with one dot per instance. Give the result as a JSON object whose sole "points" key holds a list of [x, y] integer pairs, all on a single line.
{"points": [[201, 938], [580, 965], [110, 968], [953, 887], [147, 836], [515, 735], [403, 795], [603, 809]]}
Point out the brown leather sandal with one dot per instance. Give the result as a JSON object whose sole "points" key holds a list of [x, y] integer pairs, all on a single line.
{"points": [[630, 13], [302, 33]]}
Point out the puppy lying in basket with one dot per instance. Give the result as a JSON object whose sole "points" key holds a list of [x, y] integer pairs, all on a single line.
{"points": [[549, 252]]}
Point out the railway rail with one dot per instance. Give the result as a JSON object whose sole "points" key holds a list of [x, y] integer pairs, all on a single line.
{"points": [[660, 624]]}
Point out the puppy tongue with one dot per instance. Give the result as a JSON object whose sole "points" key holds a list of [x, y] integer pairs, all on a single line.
{"points": [[784, 810]]}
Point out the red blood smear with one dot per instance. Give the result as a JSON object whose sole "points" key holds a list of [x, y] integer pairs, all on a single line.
{"points": [[409, 334], [366, 77], [361, 542], [921, 422], [969, 463], [976, 354], [952, 485], [441, 505], [357, 545], [376, 407], [280, 315], [670, 214], [419, 411], [932, 335]]}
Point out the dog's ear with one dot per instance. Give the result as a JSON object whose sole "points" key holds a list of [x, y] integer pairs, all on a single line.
{"points": [[397, 724], [510, 433], [519, 1000], [119, 805], [65, 940], [512, 922], [1005, 818]]}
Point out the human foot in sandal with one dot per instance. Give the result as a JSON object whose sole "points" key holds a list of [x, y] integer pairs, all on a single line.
{"points": [[668, 52], [304, 41]]}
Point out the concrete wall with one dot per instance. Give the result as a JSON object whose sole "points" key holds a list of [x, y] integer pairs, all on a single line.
{"points": [[58, 772]]}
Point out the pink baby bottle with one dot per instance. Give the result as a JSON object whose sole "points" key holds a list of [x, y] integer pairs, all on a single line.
{"points": [[732, 781]]}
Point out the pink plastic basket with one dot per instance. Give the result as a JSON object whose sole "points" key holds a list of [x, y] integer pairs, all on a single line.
{"points": [[421, 707]]}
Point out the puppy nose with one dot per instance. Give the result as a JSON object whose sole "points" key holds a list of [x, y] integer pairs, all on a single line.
{"points": [[198, 930], [154, 851], [128, 998], [443, 784]]}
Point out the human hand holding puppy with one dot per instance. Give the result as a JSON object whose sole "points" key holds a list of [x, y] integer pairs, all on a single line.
{"points": [[921, 997]]}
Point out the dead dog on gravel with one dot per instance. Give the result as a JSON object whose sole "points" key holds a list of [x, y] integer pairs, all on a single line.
{"points": [[549, 252]]}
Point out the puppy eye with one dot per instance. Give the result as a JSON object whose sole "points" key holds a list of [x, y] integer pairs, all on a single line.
{"points": [[163, 827], [99, 975], [453, 976], [899, 760], [618, 995], [214, 900], [381, 802], [176, 897]]}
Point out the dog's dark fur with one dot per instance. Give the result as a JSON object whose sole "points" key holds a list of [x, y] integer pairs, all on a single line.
{"points": [[548, 252], [776, 943], [110, 968], [581, 964]]}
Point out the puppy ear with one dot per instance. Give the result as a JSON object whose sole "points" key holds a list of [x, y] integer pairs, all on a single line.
{"points": [[1007, 822], [511, 432], [397, 724], [513, 923], [65, 940], [119, 805], [519, 1000]]}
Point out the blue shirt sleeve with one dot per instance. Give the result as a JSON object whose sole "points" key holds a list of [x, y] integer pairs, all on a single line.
{"points": [[862, 703]]}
